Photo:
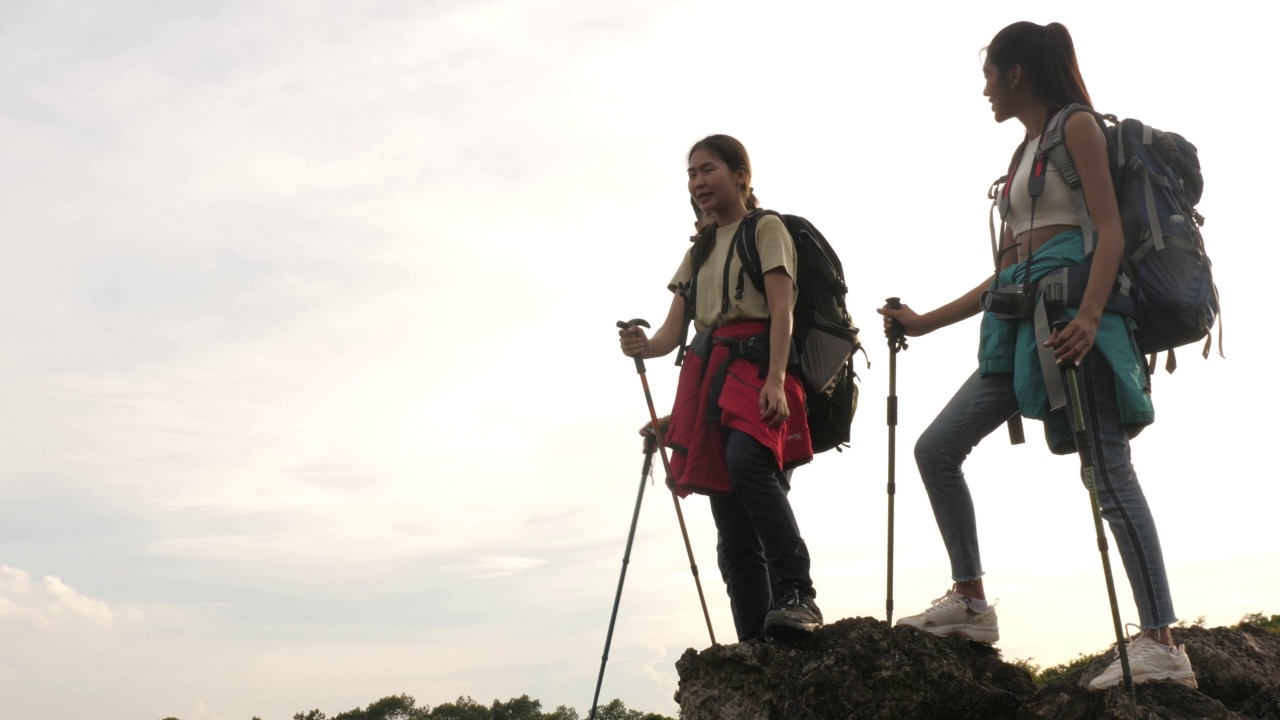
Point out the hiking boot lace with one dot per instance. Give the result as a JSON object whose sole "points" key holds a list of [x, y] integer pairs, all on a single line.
{"points": [[1130, 638], [941, 603], [790, 599]]}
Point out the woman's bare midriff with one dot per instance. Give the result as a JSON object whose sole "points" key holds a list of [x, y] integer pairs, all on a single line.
{"points": [[1035, 238]]}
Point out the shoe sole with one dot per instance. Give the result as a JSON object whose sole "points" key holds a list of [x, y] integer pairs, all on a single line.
{"points": [[790, 631], [968, 632], [1188, 680]]}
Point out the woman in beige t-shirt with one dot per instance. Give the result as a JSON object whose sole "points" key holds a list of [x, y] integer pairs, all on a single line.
{"points": [[734, 435]]}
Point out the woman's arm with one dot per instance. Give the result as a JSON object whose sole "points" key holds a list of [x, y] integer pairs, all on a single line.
{"points": [[962, 308], [915, 324], [1088, 148], [778, 292], [664, 340]]}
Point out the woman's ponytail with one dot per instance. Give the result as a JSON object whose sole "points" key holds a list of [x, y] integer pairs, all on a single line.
{"points": [[703, 243], [1048, 59], [1065, 84]]}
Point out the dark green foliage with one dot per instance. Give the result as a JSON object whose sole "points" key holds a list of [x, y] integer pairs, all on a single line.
{"points": [[1026, 664], [615, 710], [391, 707], [1057, 673], [1270, 624], [521, 708], [463, 709], [404, 707]]}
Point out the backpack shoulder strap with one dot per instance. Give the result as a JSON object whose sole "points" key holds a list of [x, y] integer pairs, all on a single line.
{"points": [[1053, 144], [998, 194], [689, 292], [749, 253]]}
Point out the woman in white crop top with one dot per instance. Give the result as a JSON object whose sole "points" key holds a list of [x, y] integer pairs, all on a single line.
{"points": [[1031, 74], [1054, 208]]}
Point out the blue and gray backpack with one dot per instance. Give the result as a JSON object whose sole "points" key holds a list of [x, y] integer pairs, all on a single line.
{"points": [[1166, 280]]}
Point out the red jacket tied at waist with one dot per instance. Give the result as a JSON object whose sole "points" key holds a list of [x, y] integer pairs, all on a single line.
{"points": [[697, 439]]}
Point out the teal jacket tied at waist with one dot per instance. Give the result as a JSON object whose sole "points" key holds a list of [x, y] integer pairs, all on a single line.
{"points": [[1009, 346]]}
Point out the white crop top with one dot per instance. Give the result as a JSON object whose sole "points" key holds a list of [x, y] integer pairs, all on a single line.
{"points": [[1054, 207]]}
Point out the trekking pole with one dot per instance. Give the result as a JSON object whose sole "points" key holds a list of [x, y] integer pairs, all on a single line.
{"points": [[1089, 472], [650, 444], [897, 341], [666, 466]]}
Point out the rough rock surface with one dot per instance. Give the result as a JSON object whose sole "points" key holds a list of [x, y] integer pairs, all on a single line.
{"points": [[861, 668], [855, 668], [1238, 672]]}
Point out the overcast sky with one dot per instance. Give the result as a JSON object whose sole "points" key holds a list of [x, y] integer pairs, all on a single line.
{"points": [[309, 387]]}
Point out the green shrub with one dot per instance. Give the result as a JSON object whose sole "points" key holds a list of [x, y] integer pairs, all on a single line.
{"points": [[1054, 674], [1270, 624]]}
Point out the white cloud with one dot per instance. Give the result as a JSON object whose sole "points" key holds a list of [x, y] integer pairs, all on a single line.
{"points": [[494, 567], [49, 603]]}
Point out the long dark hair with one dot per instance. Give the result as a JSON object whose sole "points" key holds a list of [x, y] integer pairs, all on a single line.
{"points": [[734, 155], [1048, 60]]}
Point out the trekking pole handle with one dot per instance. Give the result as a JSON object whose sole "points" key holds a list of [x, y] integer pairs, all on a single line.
{"points": [[633, 322], [1058, 326], [897, 334]]}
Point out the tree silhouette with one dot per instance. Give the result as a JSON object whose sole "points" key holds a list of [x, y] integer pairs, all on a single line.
{"points": [[391, 707], [521, 708], [404, 707], [464, 708]]}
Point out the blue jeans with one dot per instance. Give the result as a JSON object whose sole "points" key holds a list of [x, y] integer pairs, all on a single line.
{"points": [[759, 549], [979, 408]]}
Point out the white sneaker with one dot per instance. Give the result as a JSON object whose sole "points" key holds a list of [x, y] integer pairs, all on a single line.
{"points": [[951, 615], [1148, 660]]}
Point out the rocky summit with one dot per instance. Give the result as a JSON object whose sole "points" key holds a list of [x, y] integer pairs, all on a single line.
{"points": [[861, 669]]}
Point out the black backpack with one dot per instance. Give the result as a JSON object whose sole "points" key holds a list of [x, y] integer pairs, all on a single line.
{"points": [[1166, 279], [823, 335]]}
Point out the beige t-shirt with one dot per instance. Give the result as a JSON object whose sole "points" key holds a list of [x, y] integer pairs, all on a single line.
{"points": [[777, 250]]}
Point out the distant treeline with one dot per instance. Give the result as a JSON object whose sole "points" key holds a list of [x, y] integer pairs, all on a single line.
{"points": [[404, 707]]}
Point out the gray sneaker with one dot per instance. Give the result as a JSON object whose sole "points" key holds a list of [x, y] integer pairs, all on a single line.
{"points": [[950, 615], [1148, 660], [793, 615]]}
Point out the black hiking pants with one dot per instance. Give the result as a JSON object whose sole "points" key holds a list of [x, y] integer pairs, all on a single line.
{"points": [[760, 552]]}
